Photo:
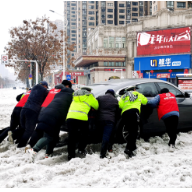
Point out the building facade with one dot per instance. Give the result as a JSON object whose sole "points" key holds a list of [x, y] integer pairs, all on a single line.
{"points": [[83, 16], [171, 5], [70, 13], [125, 48]]}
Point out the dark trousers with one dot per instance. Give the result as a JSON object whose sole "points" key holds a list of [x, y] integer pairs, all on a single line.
{"points": [[28, 122], [131, 125], [15, 121], [107, 127], [171, 124], [74, 125], [46, 140], [40, 132]]}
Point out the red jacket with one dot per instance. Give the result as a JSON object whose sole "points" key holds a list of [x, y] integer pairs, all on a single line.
{"points": [[167, 104], [50, 97], [23, 100]]}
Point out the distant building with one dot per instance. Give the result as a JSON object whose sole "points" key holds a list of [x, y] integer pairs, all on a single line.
{"points": [[83, 16], [171, 5], [144, 46]]}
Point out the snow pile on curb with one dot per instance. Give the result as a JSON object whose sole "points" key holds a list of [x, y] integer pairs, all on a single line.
{"points": [[154, 165]]}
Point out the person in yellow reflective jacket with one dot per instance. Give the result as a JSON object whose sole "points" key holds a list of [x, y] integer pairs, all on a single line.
{"points": [[130, 103], [77, 118]]}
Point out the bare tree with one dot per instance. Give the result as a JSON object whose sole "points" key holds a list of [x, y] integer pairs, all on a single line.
{"points": [[37, 40]]}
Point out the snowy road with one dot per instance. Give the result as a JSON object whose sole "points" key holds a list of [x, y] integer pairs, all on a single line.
{"points": [[154, 165]]}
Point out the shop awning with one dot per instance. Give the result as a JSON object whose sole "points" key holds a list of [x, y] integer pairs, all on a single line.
{"points": [[87, 60]]}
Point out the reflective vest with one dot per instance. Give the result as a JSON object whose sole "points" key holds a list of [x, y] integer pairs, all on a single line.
{"points": [[50, 97], [23, 99], [167, 104], [125, 104], [81, 106]]}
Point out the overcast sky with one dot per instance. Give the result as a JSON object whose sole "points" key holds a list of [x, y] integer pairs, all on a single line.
{"points": [[13, 12]]}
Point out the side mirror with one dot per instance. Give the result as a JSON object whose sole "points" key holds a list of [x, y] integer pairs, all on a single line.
{"points": [[187, 95]]}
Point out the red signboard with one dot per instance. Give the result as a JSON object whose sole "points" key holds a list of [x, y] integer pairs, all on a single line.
{"points": [[164, 42], [185, 85], [163, 75]]}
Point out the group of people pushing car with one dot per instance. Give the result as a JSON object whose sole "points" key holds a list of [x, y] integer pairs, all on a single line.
{"points": [[39, 114]]}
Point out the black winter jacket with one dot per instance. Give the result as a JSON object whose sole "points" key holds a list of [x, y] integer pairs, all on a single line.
{"points": [[55, 113], [108, 108], [36, 98]]}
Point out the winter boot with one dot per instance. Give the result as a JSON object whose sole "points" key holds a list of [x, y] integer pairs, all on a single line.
{"points": [[129, 153], [27, 147], [32, 154], [82, 153], [10, 138]]}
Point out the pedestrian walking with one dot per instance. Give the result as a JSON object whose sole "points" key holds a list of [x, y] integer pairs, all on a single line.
{"points": [[130, 103], [30, 112], [77, 119], [107, 114], [168, 111]]}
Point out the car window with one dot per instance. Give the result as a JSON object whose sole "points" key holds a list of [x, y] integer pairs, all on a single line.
{"points": [[147, 89], [172, 89]]}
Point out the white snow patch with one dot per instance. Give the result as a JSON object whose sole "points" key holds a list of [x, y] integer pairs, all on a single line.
{"points": [[153, 166]]}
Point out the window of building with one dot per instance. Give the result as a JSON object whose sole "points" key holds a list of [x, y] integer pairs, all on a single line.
{"points": [[73, 8], [128, 4], [110, 10], [73, 23], [134, 20], [84, 7], [103, 4], [141, 3], [110, 4], [110, 21], [73, 35], [121, 10], [91, 18], [123, 42], [73, 19], [91, 12], [109, 16], [73, 4], [105, 42], [121, 16], [121, 5], [123, 64], [73, 31], [91, 23], [140, 8], [111, 42], [181, 4], [103, 21], [118, 42], [73, 39], [73, 15], [73, 12], [134, 14], [121, 22], [134, 9], [105, 63], [118, 64], [91, 2], [135, 3], [111, 64], [91, 6], [73, 27], [170, 4]]}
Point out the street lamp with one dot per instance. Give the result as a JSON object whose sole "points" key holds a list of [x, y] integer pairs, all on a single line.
{"points": [[65, 23]]}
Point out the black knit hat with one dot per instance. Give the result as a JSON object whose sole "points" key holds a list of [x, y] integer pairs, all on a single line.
{"points": [[164, 90], [66, 82], [110, 91]]}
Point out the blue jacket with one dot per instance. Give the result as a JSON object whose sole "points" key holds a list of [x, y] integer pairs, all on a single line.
{"points": [[155, 102], [36, 98]]}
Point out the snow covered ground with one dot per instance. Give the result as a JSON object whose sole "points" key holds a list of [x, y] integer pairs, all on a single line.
{"points": [[154, 165]]}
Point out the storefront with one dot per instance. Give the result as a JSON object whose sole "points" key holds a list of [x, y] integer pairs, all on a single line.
{"points": [[163, 67]]}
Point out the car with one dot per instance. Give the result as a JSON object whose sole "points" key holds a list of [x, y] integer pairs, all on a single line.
{"points": [[149, 122], [14, 88]]}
